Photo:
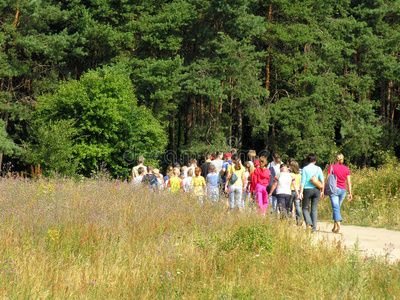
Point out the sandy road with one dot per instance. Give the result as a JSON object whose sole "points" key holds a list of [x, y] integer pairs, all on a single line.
{"points": [[371, 241]]}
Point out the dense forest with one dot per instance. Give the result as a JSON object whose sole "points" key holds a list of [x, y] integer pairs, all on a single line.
{"points": [[90, 82]]}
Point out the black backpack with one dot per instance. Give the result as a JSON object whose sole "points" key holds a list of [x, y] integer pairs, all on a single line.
{"points": [[151, 180]]}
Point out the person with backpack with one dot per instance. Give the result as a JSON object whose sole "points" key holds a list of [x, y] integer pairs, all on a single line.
{"points": [[342, 174], [150, 179], [235, 179]]}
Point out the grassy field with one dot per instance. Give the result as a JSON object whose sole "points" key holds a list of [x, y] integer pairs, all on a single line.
{"points": [[101, 239]]}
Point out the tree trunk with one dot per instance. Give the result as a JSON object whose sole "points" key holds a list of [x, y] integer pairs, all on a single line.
{"points": [[172, 126], [240, 125]]}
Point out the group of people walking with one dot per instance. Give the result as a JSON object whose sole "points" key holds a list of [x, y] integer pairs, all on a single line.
{"points": [[283, 188]]}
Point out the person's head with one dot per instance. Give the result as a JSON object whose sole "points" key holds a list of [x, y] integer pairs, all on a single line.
{"points": [[197, 171], [252, 154], [177, 165], [236, 161], [277, 160], [208, 156], [190, 173], [247, 166], [275, 154], [228, 156], [212, 168], [283, 168], [169, 169], [193, 161], [156, 172], [294, 167], [176, 172], [288, 161], [149, 169], [311, 158], [140, 171], [183, 169], [140, 160], [219, 155], [263, 162], [234, 151], [339, 159]]}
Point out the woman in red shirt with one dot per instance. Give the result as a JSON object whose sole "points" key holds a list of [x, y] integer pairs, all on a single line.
{"points": [[260, 181], [343, 175]]}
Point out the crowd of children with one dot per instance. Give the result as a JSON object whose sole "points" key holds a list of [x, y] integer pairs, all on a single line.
{"points": [[253, 184], [283, 187]]}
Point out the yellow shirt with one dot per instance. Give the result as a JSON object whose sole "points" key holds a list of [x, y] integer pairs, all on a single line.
{"points": [[297, 179], [198, 183]]}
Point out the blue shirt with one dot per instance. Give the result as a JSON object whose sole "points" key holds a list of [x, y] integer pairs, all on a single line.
{"points": [[309, 171], [212, 179]]}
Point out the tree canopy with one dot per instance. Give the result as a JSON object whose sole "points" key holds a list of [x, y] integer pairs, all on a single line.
{"points": [[292, 76]]}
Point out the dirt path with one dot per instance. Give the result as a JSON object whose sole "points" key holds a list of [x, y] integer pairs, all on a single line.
{"points": [[371, 241]]}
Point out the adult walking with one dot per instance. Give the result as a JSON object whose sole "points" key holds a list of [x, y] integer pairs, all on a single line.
{"points": [[342, 177], [236, 181], [309, 192]]}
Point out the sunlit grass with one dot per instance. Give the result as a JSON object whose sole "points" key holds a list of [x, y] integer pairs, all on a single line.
{"points": [[102, 239]]}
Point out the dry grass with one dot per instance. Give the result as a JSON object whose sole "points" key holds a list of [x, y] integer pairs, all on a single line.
{"points": [[101, 239]]}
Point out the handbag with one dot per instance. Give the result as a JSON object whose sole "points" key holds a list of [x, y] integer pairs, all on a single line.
{"points": [[331, 184], [233, 178], [315, 181]]}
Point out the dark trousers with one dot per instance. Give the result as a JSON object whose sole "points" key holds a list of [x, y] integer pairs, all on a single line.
{"points": [[284, 203], [311, 196]]}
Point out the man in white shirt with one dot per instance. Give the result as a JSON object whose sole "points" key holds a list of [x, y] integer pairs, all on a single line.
{"points": [[218, 162]]}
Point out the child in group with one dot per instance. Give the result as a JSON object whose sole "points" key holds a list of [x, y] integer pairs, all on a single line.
{"points": [[168, 173], [260, 180], [199, 185], [150, 179], [138, 179], [187, 182], [212, 183], [160, 179], [282, 183], [175, 182], [251, 183], [295, 171]]}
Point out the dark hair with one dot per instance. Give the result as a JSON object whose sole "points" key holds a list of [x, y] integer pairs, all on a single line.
{"points": [[289, 160], [149, 168], [140, 170], [236, 161], [311, 158], [218, 153]]}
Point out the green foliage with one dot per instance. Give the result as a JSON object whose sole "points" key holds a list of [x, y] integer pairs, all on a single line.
{"points": [[107, 121], [250, 239], [7, 145], [54, 149]]}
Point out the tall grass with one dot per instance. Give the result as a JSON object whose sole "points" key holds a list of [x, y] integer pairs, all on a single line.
{"points": [[376, 198], [102, 239]]}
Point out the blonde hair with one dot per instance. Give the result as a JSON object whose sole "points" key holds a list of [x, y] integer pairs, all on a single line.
{"points": [[252, 153], [176, 172], [339, 158]]}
